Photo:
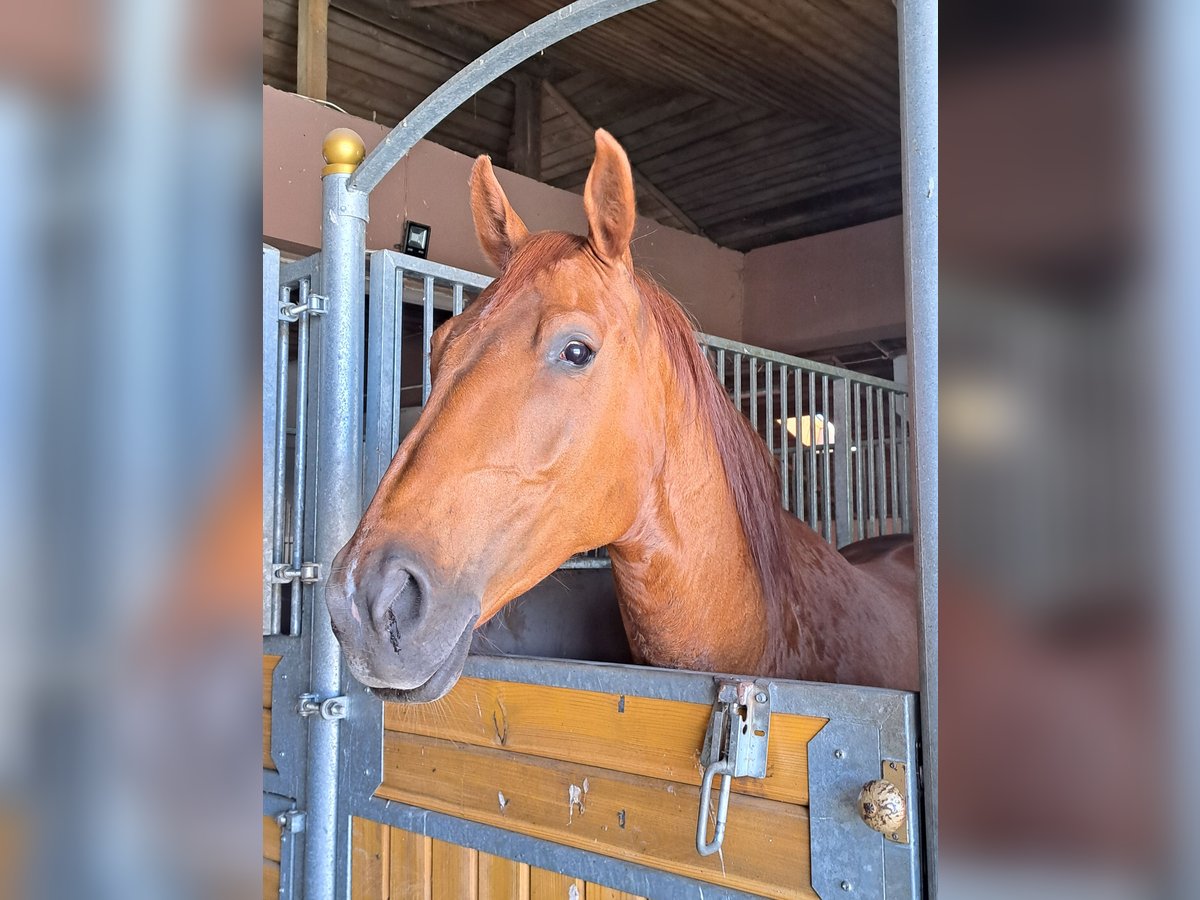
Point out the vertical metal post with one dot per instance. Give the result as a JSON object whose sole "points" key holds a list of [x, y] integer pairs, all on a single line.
{"points": [[918, 31], [842, 438], [338, 486]]}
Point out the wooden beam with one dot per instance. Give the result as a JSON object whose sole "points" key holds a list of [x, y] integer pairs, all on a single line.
{"points": [[312, 49], [431, 4], [525, 144], [643, 183]]}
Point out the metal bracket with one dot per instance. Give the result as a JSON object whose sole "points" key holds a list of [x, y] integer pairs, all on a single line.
{"points": [[735, 746], [330, 708], [317, 305], [291, 820], [308, 573]]}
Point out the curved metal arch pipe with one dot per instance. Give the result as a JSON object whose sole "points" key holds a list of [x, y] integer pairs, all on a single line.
{"points": [[466, 83]]}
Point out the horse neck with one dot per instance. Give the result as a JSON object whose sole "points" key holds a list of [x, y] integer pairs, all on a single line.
{"points": [[686, 580]]}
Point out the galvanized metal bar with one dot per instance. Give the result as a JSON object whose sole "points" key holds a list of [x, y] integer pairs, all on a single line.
{"points": [[826, 452], [783, 437], [396, 300], [456, 304], [470, 80], [300, 455], [880, 465], [842, 475], [279, 463], [721, 369], [381, 371], [905, 512], [338, 481], [426, 338], [892, 464], [798, 459], [270, 401], [813, 511], [754, 392], [769, 424], [917, 27], [872, 525], [859, 532], [737, 381]]}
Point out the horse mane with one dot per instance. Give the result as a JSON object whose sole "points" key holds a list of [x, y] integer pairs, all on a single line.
{"points": [[750, 469]]}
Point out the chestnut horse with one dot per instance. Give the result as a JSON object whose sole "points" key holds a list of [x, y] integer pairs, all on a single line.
{"points": [[572, 408]]}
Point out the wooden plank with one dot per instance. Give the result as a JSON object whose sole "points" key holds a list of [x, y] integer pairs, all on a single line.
{"points": [[647, 821], [547, 885], [502, 879], [270, 880], [268, 763], [269, 664], [271, 839], [369, 860], [454, 872], [600, 892], [312, 49], [525, 145], [658, 738], [409, 866]]}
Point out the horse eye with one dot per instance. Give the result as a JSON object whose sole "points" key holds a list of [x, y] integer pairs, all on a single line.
{"points": [[577, 353]]}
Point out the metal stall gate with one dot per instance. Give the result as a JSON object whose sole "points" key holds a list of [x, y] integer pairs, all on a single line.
{"points": [[548, 778]]}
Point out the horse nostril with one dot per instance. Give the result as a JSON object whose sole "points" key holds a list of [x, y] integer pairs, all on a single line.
{"points": [[395, 603]]}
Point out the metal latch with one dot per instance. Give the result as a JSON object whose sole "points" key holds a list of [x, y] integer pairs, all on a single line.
{"points": [[314, 305], [735, 746], [308, 573], [330, 708], [291, 820]]}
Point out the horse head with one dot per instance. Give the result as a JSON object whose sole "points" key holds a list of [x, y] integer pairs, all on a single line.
{"points": [[533, 445]]}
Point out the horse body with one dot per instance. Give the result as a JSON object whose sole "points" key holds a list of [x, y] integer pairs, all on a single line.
{"points": [[572, 408]]}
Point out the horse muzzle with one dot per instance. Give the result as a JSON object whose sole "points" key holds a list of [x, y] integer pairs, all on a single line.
{"points": [[401, 634]]}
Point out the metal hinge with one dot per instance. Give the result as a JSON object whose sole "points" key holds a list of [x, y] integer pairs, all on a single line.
{"points": [[735, 746], [291, 820], [317, 305], [329, 708], [308, 573]]}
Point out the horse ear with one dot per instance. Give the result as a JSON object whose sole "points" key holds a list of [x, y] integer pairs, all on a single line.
{"points": [[499, 229], [609, 200]]}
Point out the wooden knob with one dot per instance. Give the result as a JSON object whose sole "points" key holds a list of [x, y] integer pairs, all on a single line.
{"points": [[882, 806]]}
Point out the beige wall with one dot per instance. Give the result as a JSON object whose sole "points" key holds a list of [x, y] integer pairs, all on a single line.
{"points": [[832, 289], [430, 186]]}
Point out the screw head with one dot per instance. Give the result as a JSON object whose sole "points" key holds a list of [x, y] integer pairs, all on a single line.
{"points": [[761, 696], [281, 819], [839, 754], [847, 886]]}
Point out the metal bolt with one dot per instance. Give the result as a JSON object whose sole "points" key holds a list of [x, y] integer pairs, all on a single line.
{"points": [[895, 836], [847, 886], [839, 754], [281, 819], [761, 697]]}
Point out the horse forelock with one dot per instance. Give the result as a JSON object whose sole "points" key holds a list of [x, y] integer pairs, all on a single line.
{"points": [[539, 252], [749, 467]]}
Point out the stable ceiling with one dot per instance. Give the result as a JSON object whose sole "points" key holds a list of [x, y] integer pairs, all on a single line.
{"points": [[751, 122]]}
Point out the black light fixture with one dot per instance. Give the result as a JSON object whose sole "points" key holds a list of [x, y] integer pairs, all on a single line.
{"points": [[416, 239]]}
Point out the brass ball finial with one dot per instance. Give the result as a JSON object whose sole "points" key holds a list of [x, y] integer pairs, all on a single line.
{"points": [[343, 150]]}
